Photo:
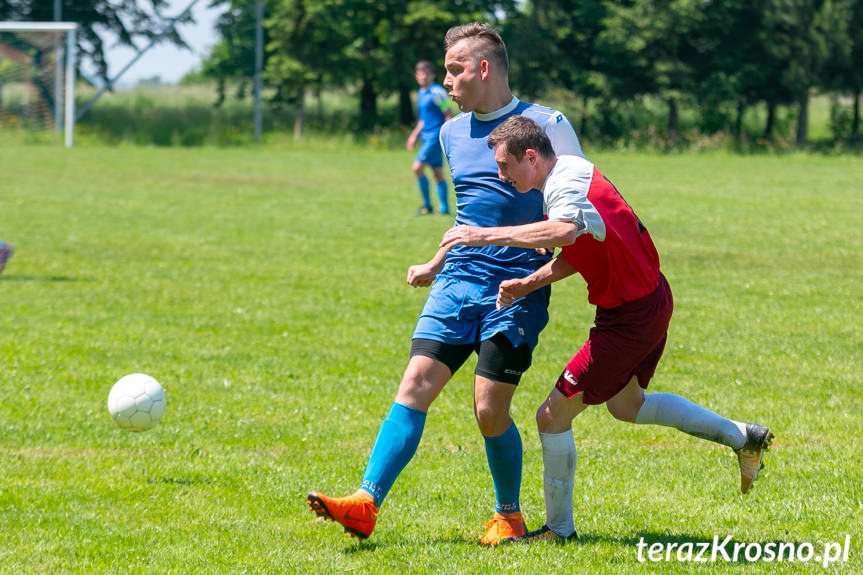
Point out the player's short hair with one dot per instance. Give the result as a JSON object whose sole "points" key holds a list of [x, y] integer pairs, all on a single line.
{"points": [[425, 65], [517, 134], [487, 43]]}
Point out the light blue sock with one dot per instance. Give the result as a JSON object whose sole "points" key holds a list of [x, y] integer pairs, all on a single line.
{"points": [[423, 183], [442, 196], [396, 444], [504, 461]]}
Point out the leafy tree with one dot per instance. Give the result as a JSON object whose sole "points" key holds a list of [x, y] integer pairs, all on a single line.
{"points": [[648, 49], [233, 58], [732, 64], [854, 72], [308, 53], [369, 46], [799, 31], [130, 21], [843, 72]]}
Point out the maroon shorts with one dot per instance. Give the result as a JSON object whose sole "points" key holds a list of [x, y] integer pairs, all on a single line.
{"points": [[625, 341]]}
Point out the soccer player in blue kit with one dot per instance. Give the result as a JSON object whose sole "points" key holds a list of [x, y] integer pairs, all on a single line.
{"points": [[6, 251], [433, 110], [459, 316]]}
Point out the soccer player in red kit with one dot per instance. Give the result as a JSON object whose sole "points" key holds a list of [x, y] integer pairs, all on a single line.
{"points": [[607, 244]]}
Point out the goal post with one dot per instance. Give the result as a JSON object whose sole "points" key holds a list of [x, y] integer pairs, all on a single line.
{"points": [[19, 59]]}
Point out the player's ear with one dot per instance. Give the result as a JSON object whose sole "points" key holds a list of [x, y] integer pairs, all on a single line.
{"points": [[483, 69]]}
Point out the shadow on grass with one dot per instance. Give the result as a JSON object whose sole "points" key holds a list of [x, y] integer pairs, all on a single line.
{"points": [[673, 547], [360, 547], [183, 481], [647, 537], [44, 279]]}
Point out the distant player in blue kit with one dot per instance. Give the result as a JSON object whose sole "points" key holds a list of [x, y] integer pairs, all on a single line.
{"points": [[6, 251], [433, 110], [459, 316]]}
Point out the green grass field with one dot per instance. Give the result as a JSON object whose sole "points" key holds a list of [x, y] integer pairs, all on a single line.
{"points": [[265, 289]]}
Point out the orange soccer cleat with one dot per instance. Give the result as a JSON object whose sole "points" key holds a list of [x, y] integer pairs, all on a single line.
{"points": [[503, 526], [357, 513]]}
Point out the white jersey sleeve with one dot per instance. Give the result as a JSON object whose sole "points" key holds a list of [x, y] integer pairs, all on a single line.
{"points": [[565, 196], [562, 136]]}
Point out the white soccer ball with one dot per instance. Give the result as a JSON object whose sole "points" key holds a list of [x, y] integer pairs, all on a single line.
{"points": [[137, 402]]}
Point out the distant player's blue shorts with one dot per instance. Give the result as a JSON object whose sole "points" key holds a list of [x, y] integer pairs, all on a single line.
{"points": [[461, 309], [430, 153]]}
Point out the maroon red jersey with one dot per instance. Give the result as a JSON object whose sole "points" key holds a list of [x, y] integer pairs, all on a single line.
{"points": [[613, 250]]}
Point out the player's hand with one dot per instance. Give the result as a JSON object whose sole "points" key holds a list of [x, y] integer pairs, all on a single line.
{"points": [[509, 291], [463, 236], [412, 140], [422, 275]]}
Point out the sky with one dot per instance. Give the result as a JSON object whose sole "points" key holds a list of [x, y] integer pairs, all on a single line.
{"points": [[165, 60]]}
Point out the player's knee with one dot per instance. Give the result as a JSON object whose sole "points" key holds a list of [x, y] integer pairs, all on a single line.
{"points": [[623, 410], [412, 379], [418, 168], [419, 387], [491, 421], [410, 391], [545, 420]]}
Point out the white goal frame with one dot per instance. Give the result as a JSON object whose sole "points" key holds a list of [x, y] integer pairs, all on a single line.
{"points": [[70, 28]]}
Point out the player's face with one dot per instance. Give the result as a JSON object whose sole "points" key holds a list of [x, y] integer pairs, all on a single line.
{"points": [[520, 173], [424, 77], [463, 76]]}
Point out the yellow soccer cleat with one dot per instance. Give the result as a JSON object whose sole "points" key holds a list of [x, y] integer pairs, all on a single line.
{"points": [[503, 526], [750, 456], [357, 513]]}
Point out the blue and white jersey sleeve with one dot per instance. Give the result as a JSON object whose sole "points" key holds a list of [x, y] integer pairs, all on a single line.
{"points": [[565, 196], [562, 136], [439, 96]]}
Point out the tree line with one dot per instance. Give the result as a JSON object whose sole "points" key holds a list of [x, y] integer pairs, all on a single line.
{"points": [[722, 57], [719, 57], [130, 23]]}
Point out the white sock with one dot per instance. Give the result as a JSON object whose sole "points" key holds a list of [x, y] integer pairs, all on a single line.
{"points": [[675, 411], [558, 460]]}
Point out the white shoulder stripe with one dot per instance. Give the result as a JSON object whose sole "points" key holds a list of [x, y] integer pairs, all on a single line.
{"points": [[565, 196]]}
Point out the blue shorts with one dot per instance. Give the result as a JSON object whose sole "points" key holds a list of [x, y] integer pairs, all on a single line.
{"points": [[430, 153], [461, 309]]}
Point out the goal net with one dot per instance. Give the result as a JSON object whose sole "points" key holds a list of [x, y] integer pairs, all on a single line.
{"points": [[37, 78]]}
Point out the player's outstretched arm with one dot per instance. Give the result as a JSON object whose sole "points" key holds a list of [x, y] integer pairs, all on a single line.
{"points": [[412, 138], [547, 234], [511, 290], [423, 275]]}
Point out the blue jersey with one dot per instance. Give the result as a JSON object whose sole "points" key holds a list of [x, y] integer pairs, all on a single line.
{"points": [[431, 103], [461, 308], [485, 200]]}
